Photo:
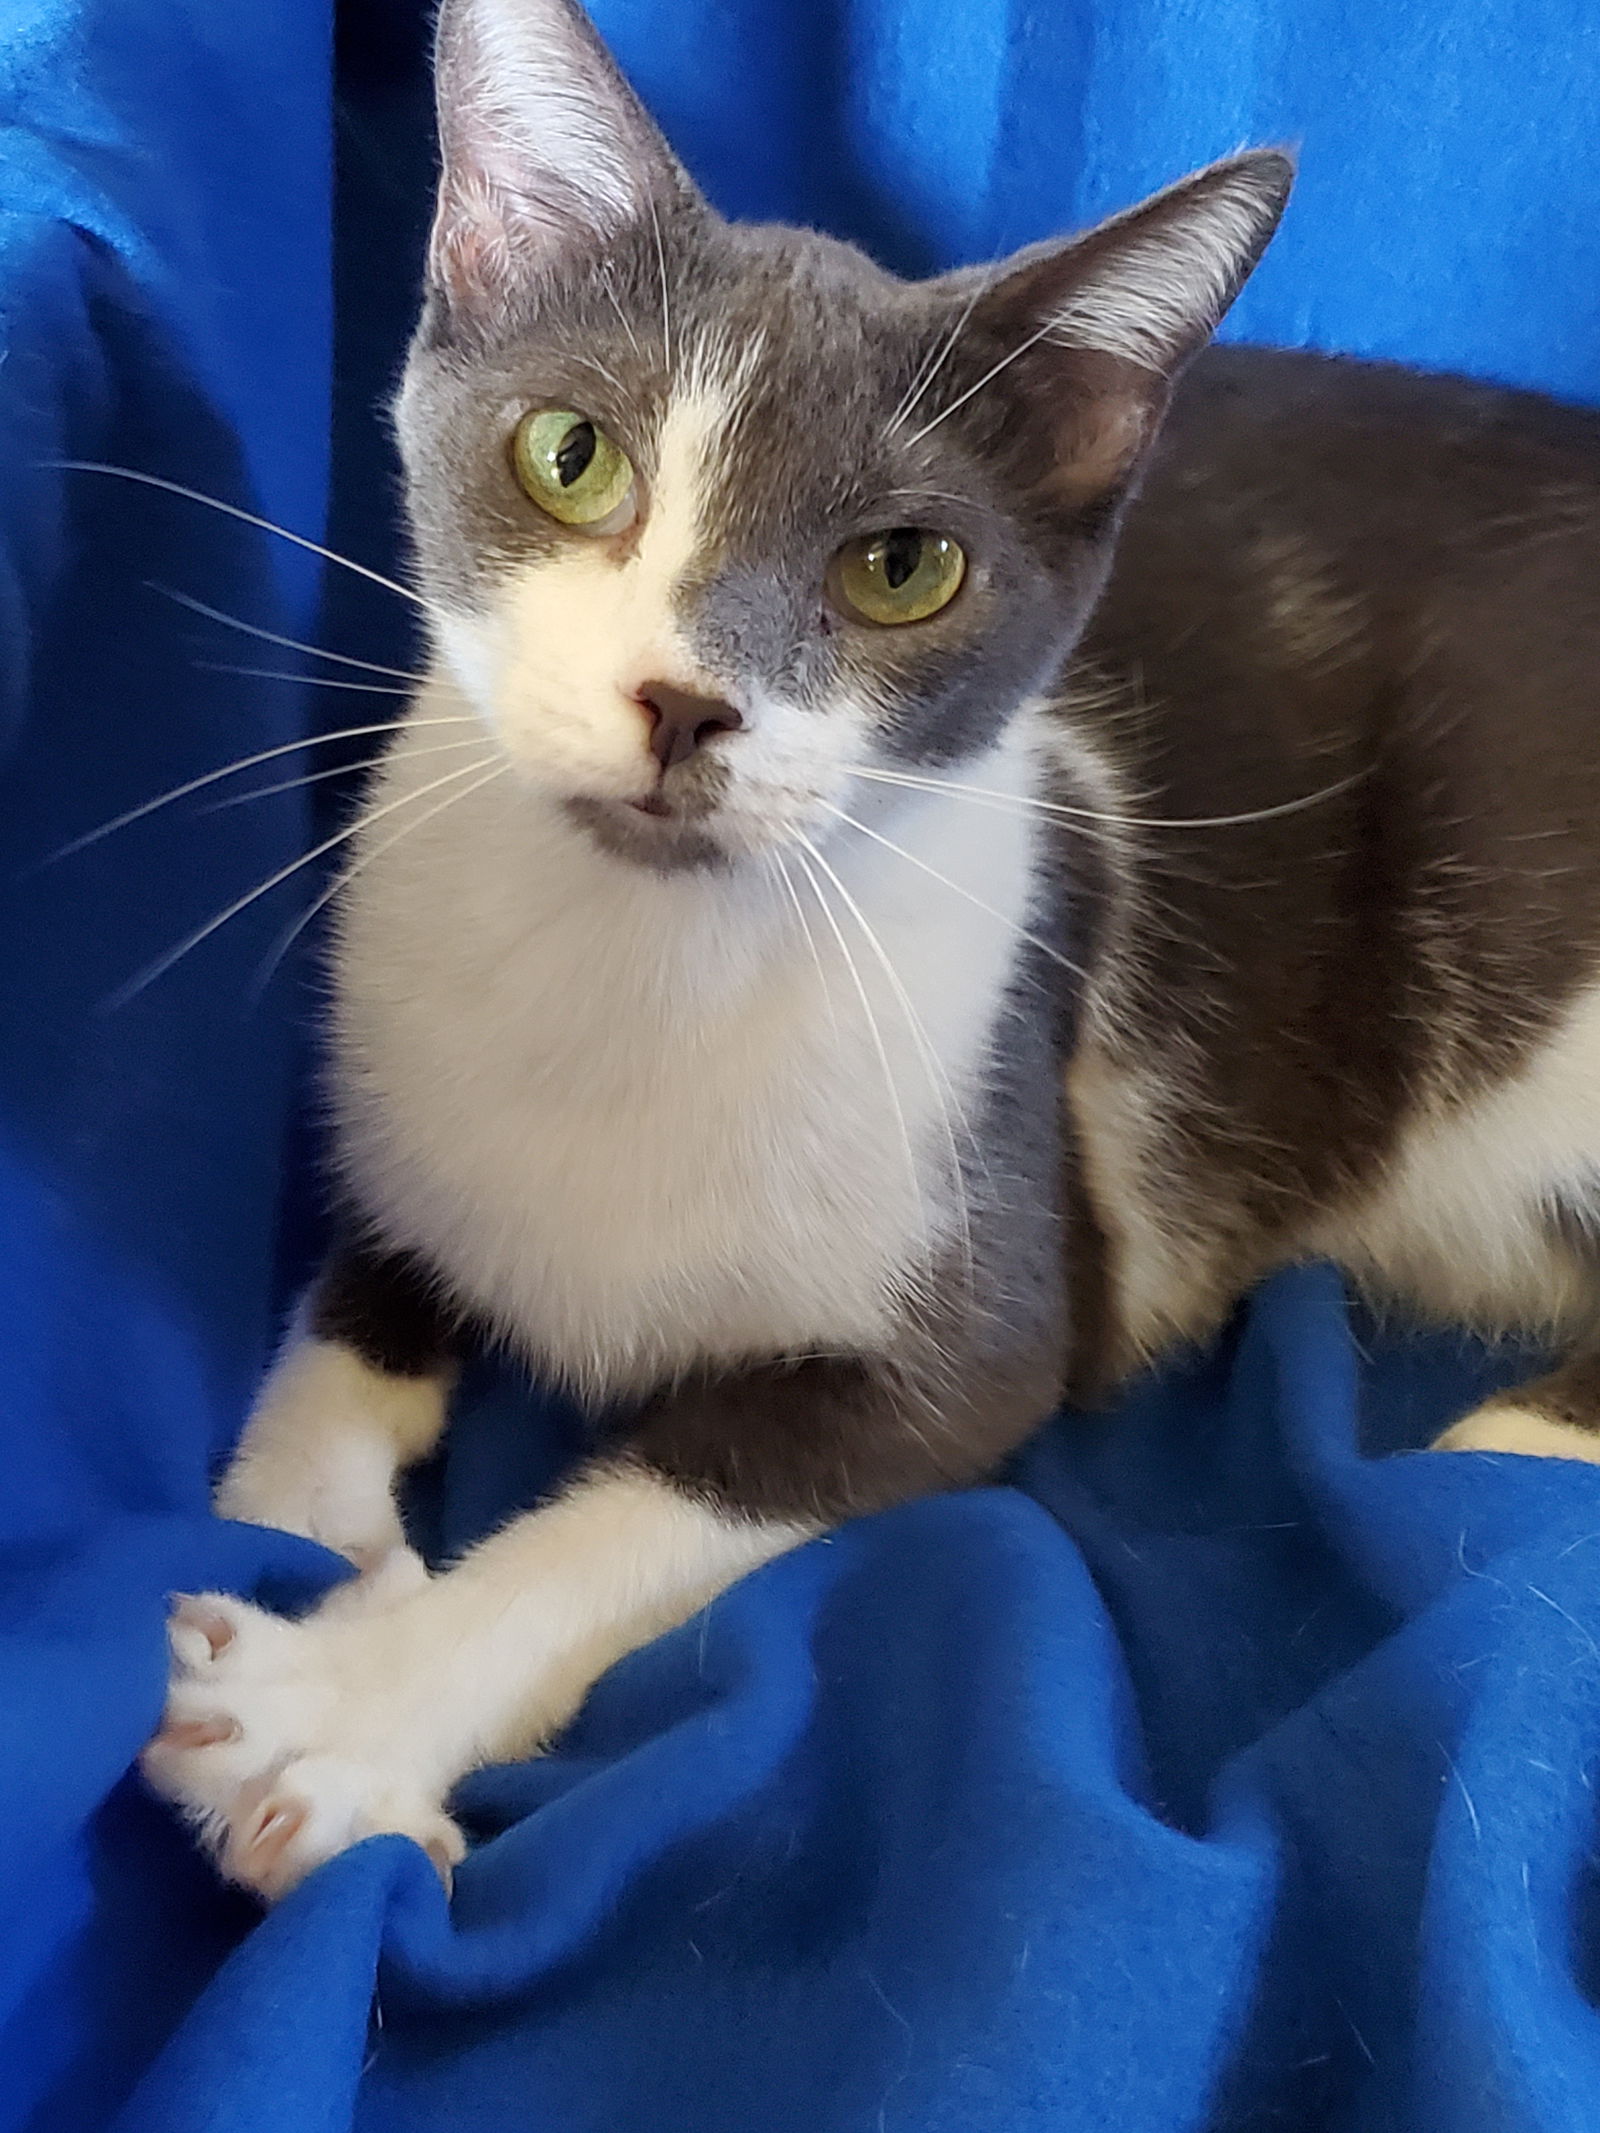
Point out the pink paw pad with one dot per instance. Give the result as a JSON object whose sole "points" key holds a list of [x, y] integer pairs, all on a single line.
{"points": [[199, 1732], [263, 1831], [199, 1632]]}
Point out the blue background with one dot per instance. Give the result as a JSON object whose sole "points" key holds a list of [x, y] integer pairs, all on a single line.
{"points": [[1228, 1767]]}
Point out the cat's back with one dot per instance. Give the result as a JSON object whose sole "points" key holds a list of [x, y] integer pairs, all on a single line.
{"points": [[1373, 448], [1313, 515], [1341, 574], [1356, 615]]}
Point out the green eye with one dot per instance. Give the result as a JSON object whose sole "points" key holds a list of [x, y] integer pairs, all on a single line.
{"points": [[570, 467], [901, 576]]}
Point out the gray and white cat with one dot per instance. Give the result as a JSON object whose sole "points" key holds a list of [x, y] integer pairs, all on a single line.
{"points": [[882, 967]]}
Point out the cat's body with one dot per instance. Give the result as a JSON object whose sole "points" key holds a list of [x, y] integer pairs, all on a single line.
{"points": [[1370, 1028], [643, 1132], [656, 1136], [843, 1006]]}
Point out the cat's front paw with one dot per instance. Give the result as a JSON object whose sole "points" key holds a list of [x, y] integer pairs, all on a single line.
{"points": [[1509, 1423], [327, 1492], [287, 1742]]}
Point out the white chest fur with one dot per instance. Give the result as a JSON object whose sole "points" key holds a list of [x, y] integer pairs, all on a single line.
{"points": [[642, 1119]]}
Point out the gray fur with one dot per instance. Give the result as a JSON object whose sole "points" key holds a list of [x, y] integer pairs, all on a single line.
{"points": [[613, 324], [1258, 1018], [1288, 934], [863, 403]]}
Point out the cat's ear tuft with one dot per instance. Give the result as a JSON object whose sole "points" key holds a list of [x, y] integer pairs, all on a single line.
{"points": [[546, 153]]}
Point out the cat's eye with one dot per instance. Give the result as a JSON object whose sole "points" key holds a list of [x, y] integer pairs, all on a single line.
{"points": [[903, 575], [571, 468]]}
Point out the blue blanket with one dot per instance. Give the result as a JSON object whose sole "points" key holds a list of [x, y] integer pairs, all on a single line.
{"points": [[1228, 1766]]}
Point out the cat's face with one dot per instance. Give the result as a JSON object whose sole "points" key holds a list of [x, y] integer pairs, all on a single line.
{"points": [[712, 520]]}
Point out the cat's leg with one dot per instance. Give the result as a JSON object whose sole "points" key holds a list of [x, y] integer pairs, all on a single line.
{"points": [[288, 1741], [1555, 1417], [359, 1392]]}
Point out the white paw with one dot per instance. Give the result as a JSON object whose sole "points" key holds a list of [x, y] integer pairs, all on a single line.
{"points": [[287, 1742], [1503, 1426], [338, 1493], [320, 1453]]}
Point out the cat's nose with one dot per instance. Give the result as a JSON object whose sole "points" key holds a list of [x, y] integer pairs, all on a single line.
{"points": [[681, 722]]}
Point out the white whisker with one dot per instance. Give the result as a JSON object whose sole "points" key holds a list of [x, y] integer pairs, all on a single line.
{"points": [[891, 1086], [938, 1082], [1021, 933], [1087, 814], [929, 496], [247, 762], [336, 770], [311, 681], [810, 938], [972, 391], [246, 518], [919, 378], [164, 963], [926, 376], [594, 363], [666, 301], [286, 940], [622, 317], [287, 644]]}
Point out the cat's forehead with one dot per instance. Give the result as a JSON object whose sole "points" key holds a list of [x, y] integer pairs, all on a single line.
{"points": [[751, 374], [796, 336], [797, 364], [793, 307]]}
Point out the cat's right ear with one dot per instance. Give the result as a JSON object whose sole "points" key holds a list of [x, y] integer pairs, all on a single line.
{"points": [[546, 153]]}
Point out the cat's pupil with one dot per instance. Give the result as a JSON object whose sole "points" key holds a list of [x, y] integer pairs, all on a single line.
{"points": [[902, 552], [574, 452]]}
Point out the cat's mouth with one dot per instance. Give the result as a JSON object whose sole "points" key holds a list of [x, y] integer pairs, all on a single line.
{"points": [[656, 831]]}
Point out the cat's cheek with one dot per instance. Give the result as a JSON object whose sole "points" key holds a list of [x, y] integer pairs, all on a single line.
{"points": [[548, 696], [564, 749], [468, 649]]}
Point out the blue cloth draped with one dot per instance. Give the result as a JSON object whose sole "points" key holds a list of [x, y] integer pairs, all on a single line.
{"points": [[1226, 1767]]}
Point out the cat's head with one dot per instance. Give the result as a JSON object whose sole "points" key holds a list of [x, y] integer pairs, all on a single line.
{"points": [[711, 517]]}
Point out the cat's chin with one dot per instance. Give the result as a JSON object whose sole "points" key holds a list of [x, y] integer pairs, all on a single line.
{"points": [[666, 843]]}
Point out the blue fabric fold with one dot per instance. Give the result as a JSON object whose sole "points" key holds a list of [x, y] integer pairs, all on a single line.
{"points": [[1229, 1764]]}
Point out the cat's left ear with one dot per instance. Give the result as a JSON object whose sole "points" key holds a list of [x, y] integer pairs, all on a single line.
{"points": [[1099, 327], [546, 153]]}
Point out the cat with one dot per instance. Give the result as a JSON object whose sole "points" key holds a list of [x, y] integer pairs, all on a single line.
{"points": [[885, 967]]}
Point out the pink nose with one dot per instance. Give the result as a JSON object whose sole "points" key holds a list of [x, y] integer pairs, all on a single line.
{"points": [[681, 722]]}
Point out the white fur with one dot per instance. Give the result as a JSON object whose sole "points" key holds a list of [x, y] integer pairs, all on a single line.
{"points": [[358, 1720], [1503, 1426], [1460, 1218], [553, 669], [325, 1440], [1161, 291], [639, 1118]]}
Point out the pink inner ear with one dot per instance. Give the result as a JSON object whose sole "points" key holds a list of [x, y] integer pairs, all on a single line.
{"points": [[485, 236], [468, 252], [545, 148], [1103, 422], [1103, 445]]}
